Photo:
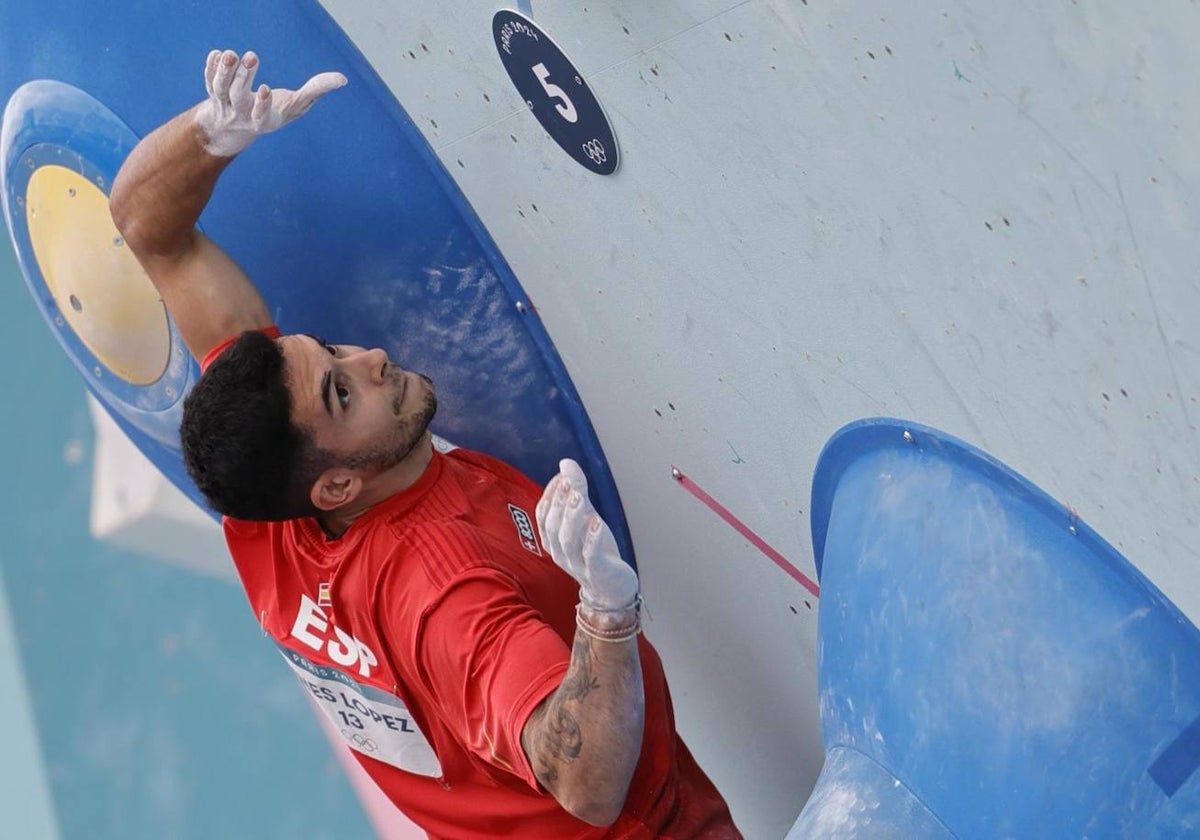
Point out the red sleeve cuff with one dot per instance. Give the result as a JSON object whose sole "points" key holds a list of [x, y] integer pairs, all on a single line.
{"points": [[211, 356]]}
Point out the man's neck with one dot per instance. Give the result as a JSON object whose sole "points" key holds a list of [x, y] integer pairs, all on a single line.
{"points": [[382, 487]]}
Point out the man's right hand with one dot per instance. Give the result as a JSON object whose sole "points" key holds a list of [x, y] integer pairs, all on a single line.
{"points": [[582, 544], [234, 115]]}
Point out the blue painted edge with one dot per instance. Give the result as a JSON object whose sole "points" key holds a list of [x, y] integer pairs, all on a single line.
{"points": [[1178, 761], [601, 482], [861, 438], [526, 7]]}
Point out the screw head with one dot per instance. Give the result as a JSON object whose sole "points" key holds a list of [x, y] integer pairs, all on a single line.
{"points": [[908, 437], [676, 474], [520, 306], [1074, 531]]}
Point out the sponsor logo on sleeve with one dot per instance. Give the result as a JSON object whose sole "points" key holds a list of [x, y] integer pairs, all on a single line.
{"points": [[525, 529]]}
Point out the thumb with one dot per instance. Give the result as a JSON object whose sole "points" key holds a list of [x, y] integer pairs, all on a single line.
{"points": [[314, 89]]}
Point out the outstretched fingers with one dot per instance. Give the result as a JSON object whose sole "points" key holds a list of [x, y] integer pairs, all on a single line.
{"points": [[235, 113], [210, 70], [243, 81], [227, 65]]}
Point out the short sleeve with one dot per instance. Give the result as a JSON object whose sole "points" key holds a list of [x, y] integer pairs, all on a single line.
{"points": [[211, 356], [489, 659]]}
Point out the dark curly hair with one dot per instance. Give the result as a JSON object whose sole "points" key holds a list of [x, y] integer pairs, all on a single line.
{"points": [[239, 443]]}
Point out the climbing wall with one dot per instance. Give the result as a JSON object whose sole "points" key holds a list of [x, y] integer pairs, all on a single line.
{"points": [[978, 216]]}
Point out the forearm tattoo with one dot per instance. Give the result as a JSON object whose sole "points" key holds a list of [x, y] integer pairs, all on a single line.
{"points": [[562, 741]]}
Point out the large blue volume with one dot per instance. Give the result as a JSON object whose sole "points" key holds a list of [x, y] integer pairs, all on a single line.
{"points": [[346, 220], [989, 667]]}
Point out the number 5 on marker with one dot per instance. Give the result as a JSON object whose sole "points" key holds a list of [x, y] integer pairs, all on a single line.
{"points": [[565, 107]]}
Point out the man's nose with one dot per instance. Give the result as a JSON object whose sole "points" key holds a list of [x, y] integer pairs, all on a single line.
{"points": [[375, 361]]}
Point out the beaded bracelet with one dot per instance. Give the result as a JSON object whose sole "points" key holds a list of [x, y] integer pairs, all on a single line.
{"points": [[618, 634]]}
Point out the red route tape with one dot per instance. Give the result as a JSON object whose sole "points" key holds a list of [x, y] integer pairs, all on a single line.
{"points": [[741, 527]]}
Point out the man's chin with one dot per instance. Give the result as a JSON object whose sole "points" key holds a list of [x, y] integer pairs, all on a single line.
{"points": [[420, 428]]}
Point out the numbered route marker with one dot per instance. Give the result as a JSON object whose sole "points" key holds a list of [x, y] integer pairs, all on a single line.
{"points": [[555, 92]]}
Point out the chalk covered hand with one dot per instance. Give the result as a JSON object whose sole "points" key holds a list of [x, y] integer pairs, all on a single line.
{"points": [[235, 114], [582, 544]]}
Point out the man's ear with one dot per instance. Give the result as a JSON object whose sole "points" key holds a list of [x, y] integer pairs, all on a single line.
{"points": [[335, 487]]}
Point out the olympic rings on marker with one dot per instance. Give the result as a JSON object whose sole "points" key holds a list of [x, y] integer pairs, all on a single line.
{"points": [[595, 150]]}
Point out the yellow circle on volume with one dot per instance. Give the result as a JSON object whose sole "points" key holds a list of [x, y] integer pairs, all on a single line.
{"points": [[101, 290]]}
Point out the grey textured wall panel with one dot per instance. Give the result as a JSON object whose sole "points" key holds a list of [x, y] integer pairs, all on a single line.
{"points": [[978, 216]]}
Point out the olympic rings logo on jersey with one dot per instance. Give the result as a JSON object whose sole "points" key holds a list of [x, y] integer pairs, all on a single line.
{"points": [[361, 742], [595, 150]]}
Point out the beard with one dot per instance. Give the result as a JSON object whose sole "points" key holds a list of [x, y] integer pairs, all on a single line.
{"points": [[410, 430]]}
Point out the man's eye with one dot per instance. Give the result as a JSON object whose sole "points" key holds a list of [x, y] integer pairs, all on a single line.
{"points": [[343, 396], [332, 348]]}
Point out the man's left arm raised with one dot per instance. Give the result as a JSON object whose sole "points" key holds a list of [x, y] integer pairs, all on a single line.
{"points": [[167, 180]]}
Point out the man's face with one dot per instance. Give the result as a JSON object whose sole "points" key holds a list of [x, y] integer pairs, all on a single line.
{"points": [[354, 403]]}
